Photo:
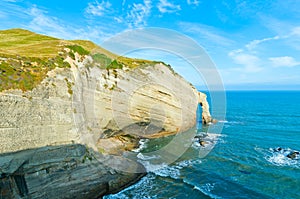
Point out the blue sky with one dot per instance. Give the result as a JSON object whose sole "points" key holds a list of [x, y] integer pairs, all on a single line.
{"points": [[254, 44]]}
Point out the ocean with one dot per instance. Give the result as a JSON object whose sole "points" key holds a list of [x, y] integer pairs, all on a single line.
{"points": [[243, 162]]}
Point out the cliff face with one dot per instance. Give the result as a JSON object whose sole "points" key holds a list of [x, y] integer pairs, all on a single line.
{"points": [[84, 103], [74, 100], [68, 171]]}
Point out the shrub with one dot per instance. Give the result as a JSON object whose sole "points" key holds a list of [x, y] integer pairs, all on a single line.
{"points": [[79, 49]]}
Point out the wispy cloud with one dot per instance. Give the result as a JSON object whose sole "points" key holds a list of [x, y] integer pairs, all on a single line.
{"points": [[291, 33], [193, 2], [164, 6], [253, 44], [44, 24], [250, 63], [41, 22], [205, 32], [12, 1], [285, 61], [11, 9], [98, 9], [295, 31], [2, 15], [137, 15]]}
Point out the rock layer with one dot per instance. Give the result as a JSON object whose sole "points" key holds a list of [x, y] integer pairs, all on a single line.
{"points": [[85, 103], [69, 171]]}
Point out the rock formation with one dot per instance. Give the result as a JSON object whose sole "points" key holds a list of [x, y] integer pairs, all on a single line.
{"points": [[202, 100], [103, 103], [68, 171], [59, 105]]}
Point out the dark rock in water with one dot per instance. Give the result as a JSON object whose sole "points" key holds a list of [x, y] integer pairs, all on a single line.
{"points": [[278, 149], [293, 155], [203, 140], [203, 143], [68, 171], [201, 136]]}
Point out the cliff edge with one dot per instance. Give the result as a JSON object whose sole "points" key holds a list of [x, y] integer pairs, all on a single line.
{"points": [[57, 93]]}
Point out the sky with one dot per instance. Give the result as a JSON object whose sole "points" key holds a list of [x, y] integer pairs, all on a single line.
{"points": [[254, 44]]}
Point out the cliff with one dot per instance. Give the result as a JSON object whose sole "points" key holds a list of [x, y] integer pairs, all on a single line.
{"points": [[68, 171], [57, 92]]}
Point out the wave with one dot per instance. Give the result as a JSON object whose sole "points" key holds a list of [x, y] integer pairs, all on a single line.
{"points": [[206, 141], [230, 122], [205, 189], [223, 121], [145, 183], [142, 145], [282, 157]]}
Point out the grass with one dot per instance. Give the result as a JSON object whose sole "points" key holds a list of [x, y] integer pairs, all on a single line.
{"points": [[26, 57], [26, 73], [28, 44]]}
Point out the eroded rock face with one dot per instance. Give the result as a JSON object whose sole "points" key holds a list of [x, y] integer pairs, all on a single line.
{"points": [[84, 104], [65, 171], [206, 117]]}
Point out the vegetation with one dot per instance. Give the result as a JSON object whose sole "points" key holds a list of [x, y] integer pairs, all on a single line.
{"points": [[26, 73], [26, 57], [133, 63], [79, 49], [102, 60]]}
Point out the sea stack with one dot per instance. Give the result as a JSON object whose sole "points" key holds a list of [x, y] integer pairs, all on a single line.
{"points": [[206, 117]]}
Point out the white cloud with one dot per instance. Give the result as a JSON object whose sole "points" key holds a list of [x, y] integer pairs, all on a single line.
{"points": [[250, 63], [253, 44], [2, 15], [208, 33], [138, 14], [285, 61], [193, 2], [98, 9], [164, 6], [12, 1], [42, 23], [295, 31]]}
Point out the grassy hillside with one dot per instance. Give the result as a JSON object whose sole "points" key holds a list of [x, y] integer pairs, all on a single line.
{"points": [[26, 57]]}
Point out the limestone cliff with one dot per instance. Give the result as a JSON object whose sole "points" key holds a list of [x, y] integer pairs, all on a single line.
{"points": [[76, 93]]}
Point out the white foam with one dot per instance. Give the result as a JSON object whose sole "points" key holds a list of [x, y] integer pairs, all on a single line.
{"points": [[142, 145], [146, 157], [279, 158], [144, 182], [205, 189], [171, 172], [187, 163], [210, 139], [223, 121], [152, 167]]}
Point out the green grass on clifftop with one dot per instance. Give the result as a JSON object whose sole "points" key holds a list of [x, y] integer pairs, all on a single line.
{"points": [[26, 57]]}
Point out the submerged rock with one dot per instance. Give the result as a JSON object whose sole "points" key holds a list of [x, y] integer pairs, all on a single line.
{"points": [[66, 171]]}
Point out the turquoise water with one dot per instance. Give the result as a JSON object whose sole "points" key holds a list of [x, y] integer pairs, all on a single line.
{"points": [[242, 163]]}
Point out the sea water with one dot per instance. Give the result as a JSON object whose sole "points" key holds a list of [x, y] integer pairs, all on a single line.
{"points": [[243, 163]]}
